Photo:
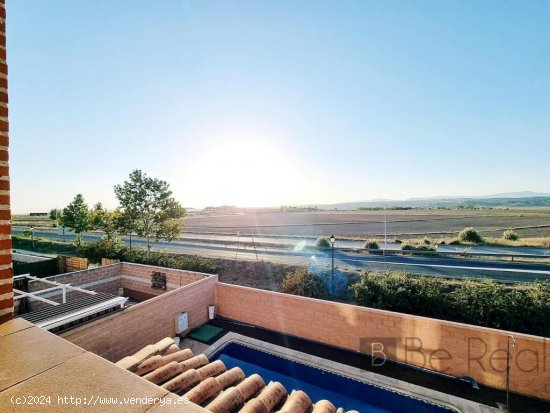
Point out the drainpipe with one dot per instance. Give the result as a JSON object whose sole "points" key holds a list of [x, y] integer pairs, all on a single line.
{"points": [[508, 369]]}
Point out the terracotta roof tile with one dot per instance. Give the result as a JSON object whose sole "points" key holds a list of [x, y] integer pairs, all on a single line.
{"points": [[209, 384]]}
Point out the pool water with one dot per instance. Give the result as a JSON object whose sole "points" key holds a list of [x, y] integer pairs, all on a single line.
{"points": [[319, 384]]}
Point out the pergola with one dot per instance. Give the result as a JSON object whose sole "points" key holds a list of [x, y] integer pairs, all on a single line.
{"points": [[65, 312]]}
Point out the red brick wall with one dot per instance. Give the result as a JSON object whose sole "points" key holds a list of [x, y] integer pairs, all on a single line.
{"points": [[356, 328], [6, 273], [174, 278], [135, 279], [124, 333]]}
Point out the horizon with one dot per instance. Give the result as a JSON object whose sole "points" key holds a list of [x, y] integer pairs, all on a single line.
{"points": [[510, 195], [268, 104]]}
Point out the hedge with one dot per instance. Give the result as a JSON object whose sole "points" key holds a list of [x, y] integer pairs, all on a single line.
{"points": [[197, 263], [523, 308]]}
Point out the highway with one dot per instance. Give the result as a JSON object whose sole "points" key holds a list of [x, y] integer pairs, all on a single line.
{"points": [[303, 255]]}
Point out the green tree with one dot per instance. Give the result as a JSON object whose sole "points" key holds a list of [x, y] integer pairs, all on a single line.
{"points": [[109, 222], [55, 216], [148, 208], [76, 217]]}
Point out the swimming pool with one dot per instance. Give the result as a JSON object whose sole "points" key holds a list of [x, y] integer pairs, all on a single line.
{"points": [[319, 384]]}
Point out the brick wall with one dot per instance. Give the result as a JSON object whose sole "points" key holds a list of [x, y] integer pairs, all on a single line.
{"points": [[6, 272], [174, 278], [97, 276], [454, 348], [137, 280], [126, 332], [134, 279]]}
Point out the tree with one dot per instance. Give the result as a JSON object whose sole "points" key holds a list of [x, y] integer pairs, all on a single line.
{"points": [[55, 216], [148, 208], [76, 218], [109, 222]]}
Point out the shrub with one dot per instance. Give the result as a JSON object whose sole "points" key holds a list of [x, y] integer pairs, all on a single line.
{"points": [[41, 245], [402, 292], [197, 263], [371, 244], [510, 235], [102, 249], [301, 282], [470, 235], [323, 243], [407, 246]]}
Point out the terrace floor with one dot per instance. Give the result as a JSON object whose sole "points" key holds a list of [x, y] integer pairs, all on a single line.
{"points": [[433, 381], [41, 372]]}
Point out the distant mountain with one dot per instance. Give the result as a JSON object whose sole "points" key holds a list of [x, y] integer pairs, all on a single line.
{"points": [[525, 199], [524, 194]]}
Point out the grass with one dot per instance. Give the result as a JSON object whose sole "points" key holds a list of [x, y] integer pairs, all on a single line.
{"points": [[522, 242], [424, 245]]}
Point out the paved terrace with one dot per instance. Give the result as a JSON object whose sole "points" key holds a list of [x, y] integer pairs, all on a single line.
{"points": [[40, 372]]}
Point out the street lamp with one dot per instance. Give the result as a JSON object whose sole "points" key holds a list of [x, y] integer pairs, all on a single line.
{"points": [[508, 369], [385, 232], [332, 240]]}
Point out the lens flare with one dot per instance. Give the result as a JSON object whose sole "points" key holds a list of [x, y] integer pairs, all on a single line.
{"points": [[300, 246]]}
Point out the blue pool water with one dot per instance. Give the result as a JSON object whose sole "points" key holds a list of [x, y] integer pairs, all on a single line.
{"points": [[319, 384]]}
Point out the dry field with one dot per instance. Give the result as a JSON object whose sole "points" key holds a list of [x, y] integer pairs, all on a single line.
{"points": [[410, 224], [27, 220], [365, 224]]}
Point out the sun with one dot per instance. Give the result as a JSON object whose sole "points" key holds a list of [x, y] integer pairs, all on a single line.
{"points": [[247, 172]]}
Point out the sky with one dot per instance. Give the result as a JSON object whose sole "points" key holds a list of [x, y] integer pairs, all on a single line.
{"points": [[267, 103]]}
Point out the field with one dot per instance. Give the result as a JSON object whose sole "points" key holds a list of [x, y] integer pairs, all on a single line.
{"points": [[370, 224], [409, 224]]}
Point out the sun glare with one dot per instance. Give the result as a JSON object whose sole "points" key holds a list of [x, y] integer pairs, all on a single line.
{"points": [[247, 172]]}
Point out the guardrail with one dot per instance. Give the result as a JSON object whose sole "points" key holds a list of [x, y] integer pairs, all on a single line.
{"points": [[464, 253]]}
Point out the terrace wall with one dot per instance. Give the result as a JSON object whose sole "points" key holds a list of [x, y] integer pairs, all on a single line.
{"points": [[126, 332], [134, 279], [453, 348]]}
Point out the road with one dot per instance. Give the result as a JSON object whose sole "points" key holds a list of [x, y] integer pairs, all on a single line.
{"points": [[435, 266]]}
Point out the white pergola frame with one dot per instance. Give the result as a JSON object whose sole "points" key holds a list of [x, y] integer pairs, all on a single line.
{"points": [[56, 286], [74, 315]]}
